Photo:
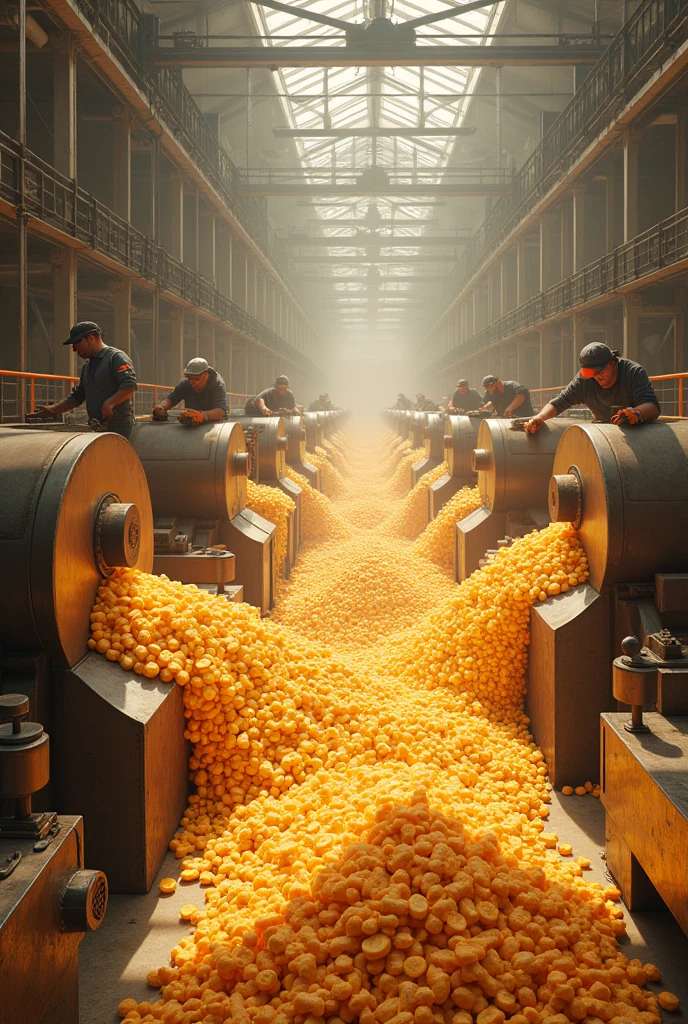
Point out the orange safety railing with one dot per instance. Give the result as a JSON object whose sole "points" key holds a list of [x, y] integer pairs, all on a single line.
{"points": [[670, 389], [20, 390]]}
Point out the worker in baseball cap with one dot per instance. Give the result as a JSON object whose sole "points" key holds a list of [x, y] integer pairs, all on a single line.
{"points": [[273, 401], [203, 392], [107, 382], [506, 398], [615, 390], [465, 398]]}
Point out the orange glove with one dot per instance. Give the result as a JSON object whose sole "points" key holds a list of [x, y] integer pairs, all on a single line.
{"points": [[623, 416], [532, 426], [191, 417]]}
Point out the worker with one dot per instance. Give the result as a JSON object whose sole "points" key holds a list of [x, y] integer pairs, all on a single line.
{"points": [[465, 398], [506, 397], [445, 402], [321, 404], [614, 390], [272, 401], [107, 381], [403, 402], [424, 404], [203, 392]]}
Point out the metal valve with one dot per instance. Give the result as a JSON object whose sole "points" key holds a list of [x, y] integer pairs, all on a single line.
{"points": [[634, 681], [242, 463]]}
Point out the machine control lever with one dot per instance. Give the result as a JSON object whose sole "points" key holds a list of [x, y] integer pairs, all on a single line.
{"points": [[634, 681]]}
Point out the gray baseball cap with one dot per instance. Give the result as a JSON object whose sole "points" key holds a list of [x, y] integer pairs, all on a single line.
{"points": [[82, 330], [195, 367], [596, 355], [282, 379], [489, 380]]}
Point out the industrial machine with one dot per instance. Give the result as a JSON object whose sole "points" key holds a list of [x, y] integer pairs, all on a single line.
{"points": [[647, 756], [513, 470], [458, 442], [314, 431], [204, 534], [626, 490], [417, 422], [47, 900], [73, 507], [433, 442], [296, 454], [268, 468]]}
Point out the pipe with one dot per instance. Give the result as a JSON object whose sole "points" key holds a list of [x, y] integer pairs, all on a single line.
{"points": [[33, 31]]}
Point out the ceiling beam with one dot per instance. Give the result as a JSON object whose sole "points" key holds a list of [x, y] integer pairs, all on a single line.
{"points": [[273, 57], [372, 133], [381, 242], [383, 191]]}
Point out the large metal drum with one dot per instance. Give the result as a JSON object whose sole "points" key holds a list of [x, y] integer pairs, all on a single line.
{"points": [[296, 454], [433, 442], [271, 448], [416, 428], [314, 431], [460, 439], [72, 507], [627, 488], [194, 472], [514, 467]]}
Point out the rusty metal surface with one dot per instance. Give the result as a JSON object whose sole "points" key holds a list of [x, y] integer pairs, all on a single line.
{"points": [[123, 762], [434, 436], [634, 500], [51, 488], [416, 428], [193, 472], [31, 931], [644, 781], [518, 466], [569, 682], [295, 430]]}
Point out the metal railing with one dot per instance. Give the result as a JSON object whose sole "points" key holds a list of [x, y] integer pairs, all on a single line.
{"points": [[659, 247], [122, 28], [670, 389], [60, 202], [36, 389], [648, 38]]}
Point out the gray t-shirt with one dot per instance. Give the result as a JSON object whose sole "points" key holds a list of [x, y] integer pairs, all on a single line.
{"points": [[469, 401], [632, 388], [213, 395], [101, 377], [273, 400], [502, 400]]}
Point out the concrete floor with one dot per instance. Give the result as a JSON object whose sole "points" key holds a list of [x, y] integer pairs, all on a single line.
{"points": [[139, 931]]}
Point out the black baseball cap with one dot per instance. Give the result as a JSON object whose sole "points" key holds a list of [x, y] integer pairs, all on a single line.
{"points": [[80, 330], [460, 382], [594, 357], [489, 380]]}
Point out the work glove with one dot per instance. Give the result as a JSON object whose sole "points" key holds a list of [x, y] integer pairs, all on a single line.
{"points": [[159, 413], [623, 416], [532, 426], [191, 417]]}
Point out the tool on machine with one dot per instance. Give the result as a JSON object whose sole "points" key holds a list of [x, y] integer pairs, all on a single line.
{"points": [[24, 770], [191, 418]]}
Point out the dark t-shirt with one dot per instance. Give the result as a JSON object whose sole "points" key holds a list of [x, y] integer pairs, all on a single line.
{"points": [[502, 400], [273, 400], [213, 395], [101, 377], [427, 405], [632, 388], [404, 403], [470, 400]]}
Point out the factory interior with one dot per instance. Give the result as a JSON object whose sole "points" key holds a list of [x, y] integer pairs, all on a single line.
{"points": [[349, 685]]}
